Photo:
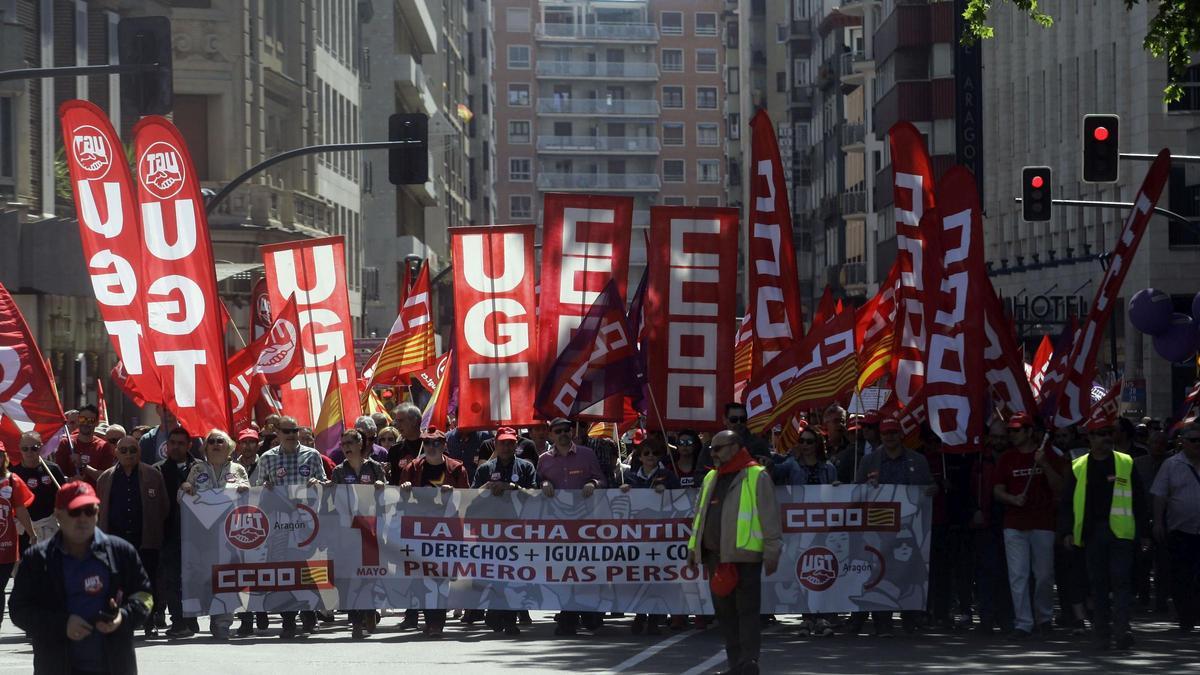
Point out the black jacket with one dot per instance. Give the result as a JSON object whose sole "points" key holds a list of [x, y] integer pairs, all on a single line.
{"points": [[526, 474], [173, 477], [38, 603]]}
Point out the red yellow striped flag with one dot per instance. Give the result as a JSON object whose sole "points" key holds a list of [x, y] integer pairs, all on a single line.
{"points": [[410, 346]]}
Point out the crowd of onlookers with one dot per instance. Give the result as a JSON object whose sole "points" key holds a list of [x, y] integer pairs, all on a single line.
{"points": [[1041, 531]]}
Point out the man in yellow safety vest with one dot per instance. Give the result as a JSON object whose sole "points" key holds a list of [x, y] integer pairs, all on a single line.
{"points": [[736, 534], [1103, 512]]}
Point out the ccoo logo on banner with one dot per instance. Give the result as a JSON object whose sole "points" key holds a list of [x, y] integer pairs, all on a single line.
{"points": [[845, 548]]}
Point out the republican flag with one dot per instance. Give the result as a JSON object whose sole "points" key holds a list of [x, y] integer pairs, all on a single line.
{"points": [[409, 346], [27, 398], [331, 422], [600, 361]]}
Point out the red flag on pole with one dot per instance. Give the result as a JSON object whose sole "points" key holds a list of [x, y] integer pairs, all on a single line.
{"points": [[27, 398], [101, 404], [409, 346]]}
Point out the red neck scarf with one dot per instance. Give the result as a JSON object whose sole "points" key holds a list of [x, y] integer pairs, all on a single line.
{"points": [[736, 463]]}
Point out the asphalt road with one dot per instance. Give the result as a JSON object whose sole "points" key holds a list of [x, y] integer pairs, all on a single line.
{"points": [[614, 649]]}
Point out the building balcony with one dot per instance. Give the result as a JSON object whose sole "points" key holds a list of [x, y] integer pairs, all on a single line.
{"points": [[802, 96], [598, 106], [853, 203], [618, 144], [617, 182], [412, 85], [853, 136], [597, 69], [853, 274], [420, 23], [598, 32]]}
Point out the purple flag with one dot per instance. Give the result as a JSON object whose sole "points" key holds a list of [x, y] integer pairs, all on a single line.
{"points": [[600, 361]]}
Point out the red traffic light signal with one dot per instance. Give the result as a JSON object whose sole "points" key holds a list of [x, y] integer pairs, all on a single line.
{"points": [[1036, 198], [1100, 133], [1101, 148], [1037, 182]]}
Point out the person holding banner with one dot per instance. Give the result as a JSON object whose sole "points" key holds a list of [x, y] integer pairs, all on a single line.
{"points": [[1103, 512], [358, 468], [649, 474], [736, 533], [217, 472], [686, 459], [432, 469], [43, 479], [408, 421]]}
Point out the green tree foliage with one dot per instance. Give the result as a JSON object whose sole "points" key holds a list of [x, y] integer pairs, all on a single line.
{"points": [[1173, 34]]}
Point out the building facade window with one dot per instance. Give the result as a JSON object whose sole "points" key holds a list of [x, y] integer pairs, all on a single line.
{"points": [[706, 134], [671, 23], [672, 133], [520, 207], [673, 171], [520, 169], [673, 201], [734, 122], [518, 95], [518, 132], [706, 23], [518, 57], [517, 19], [706, 60], [708, 201], [706, 98], [733, 80], [708, 171], [672, 60], [672, 96]]}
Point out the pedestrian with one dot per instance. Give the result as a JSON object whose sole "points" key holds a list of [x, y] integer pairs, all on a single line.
{"points": [[15, 500], [1156, 562], [357, 468], [992, 594], [134, 506], [893, 465], [291, 464], [648, 473], [1102, 513], [365, 426], [735, 420], [248, 445], [408, 421], [503, 472], [217, 472], [464, 445], [79, 595], [569, 466], [807, 463], [174, 467], [1029, 479], [437, 470], [686, 451], [43, 479], [1176, 493], [736, 535], [85, 455]]}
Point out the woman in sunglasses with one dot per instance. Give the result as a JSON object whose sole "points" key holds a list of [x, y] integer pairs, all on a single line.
{"points": [[218, 471], [359, 469], [648, 473], [688, 466]]}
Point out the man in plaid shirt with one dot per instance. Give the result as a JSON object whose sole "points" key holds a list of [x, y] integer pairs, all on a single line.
{"points": [[290, 463]]}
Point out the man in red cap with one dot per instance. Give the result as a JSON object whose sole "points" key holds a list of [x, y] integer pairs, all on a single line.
{"points": [[79, 595], [892, 465], [1027, 481], [432, 469], [1103, 511]]}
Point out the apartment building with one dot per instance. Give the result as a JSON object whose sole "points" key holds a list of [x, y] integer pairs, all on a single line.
{"points": [[609, 97], [1038, 84], [481, 128], [252, 78]]}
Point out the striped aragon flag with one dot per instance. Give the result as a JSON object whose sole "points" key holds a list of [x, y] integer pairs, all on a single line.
{"points": [[409, 346]]}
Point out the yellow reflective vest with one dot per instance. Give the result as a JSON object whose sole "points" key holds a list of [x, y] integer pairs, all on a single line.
{"points": [[1120, 514], [749, 527]]}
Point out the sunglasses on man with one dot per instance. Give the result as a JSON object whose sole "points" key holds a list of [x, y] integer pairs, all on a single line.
{"points": [[30, 448], [288, 430], [90, 510]]}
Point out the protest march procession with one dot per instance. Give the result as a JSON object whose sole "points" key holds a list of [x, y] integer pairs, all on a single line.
{"points": [[553, 443]]}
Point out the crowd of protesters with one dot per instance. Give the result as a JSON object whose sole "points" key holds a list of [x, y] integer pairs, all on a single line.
{"points": [[1068, 530]]}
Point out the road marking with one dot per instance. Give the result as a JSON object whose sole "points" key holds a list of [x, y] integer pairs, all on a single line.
{"points": [[652, 650], [710, 663]]}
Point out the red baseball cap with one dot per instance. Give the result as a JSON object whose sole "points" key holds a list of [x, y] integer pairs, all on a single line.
{"points": [[889, 424], [248, 434], [506, 434], [432, 434], [871, 418], [1020, 421], [74, 495]]}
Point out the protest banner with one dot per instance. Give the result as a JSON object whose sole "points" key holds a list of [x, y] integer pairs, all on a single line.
{"points": [[845, 548]]}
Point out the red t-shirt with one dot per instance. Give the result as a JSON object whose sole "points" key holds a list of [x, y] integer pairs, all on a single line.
{"points": [[98, 453], [1014, 471], [13, 493]]}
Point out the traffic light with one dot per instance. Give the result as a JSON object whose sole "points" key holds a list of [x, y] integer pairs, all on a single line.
{"points": [[408, 164], [1101, 154], [1035, 193], [146, 40]]}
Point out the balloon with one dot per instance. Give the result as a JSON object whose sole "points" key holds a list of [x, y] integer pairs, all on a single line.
{"points": [[1150, 311], [1178, 342]]}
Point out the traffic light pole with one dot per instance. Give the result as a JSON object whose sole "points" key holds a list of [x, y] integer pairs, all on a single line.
{"points": [[298, 152], [76, 71], [1170, 215], [1141, 157]]}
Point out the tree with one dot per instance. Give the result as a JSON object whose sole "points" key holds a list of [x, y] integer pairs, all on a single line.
{"points": [[1173, 34]]}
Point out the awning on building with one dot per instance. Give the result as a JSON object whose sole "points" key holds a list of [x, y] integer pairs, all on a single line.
{"points": [[226, 270]]}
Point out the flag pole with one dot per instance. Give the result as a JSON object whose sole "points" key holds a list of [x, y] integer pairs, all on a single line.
{"points": [[654, 403]]}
